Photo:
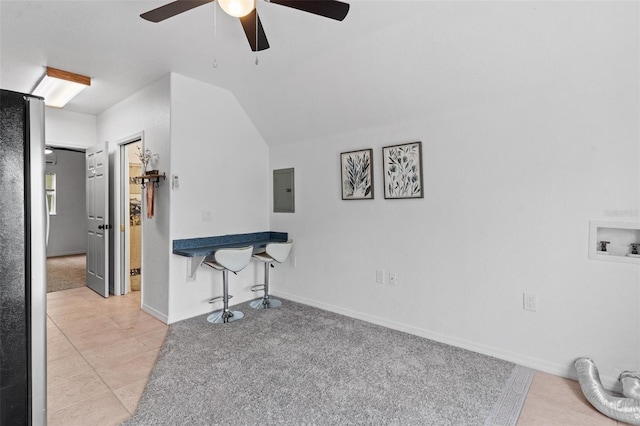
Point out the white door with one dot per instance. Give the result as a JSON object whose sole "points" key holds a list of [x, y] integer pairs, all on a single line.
{"points": [[97, 177]]}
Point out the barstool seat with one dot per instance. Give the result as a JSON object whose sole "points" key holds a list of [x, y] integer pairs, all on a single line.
{"points": [[278, 252], [225, 260]]}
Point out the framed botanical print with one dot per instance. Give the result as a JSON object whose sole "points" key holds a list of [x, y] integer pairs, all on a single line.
{"points": [[402, 168], [357, 174]]}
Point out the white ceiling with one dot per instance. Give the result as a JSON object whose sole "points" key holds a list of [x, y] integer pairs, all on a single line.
{"points": [[388, 61]]}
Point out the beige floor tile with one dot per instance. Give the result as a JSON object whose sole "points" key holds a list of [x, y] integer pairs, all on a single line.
{"points": [[76, 316], [87, 325], [98, 337], [544, 413], [153, 340], [147, 326], [83, 336], [62, 368], [64, 302], [130, 394], [116, 311], [102, 410], [54, 334], [50, 323], [131, 318], [55, 295], [120, 302], [105, 355], [59, 349], [128, 370], [567, 393], [554, 400], [73, 389], [66, 306]]}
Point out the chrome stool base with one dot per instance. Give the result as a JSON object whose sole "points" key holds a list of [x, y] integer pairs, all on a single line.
{"points": [[222, 316], [265, 303]]}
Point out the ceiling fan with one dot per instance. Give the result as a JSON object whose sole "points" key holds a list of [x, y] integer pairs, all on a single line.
{"points": [[246, 11]]}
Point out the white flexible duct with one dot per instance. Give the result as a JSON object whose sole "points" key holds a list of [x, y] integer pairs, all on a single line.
{"points": [[623, 409], [630, 384]]}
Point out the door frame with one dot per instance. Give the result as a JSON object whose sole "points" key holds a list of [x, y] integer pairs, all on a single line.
{"points": [[119, 206]]}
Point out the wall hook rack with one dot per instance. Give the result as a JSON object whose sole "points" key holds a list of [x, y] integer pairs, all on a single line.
{"points": [[151, 178]]}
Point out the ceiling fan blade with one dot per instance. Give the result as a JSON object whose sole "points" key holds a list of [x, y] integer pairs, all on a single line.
{"points": [[249, 25], [172, 9], [328, 8]]}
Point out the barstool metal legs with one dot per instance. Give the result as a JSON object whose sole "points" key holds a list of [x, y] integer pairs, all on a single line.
{"points": [[224, 315], [266, 302]]}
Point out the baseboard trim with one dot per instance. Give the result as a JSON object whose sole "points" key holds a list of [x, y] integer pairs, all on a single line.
{"points": [[156, 314], [566, 371]]}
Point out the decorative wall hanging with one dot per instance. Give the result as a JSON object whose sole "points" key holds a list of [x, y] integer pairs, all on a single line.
{"points": [[357, 174], [146, 158], [402, 168], [152, 177]]}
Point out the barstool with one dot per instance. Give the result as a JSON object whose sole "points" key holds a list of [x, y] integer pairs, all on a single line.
{"points": [[274, 252], [234, 260]]}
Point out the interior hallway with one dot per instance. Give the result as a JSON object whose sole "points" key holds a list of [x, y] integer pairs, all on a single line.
{"points": [[100, 354]]}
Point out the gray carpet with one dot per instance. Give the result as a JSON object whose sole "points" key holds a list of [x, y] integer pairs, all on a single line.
{"points": [[301, 365], [66, 272]]}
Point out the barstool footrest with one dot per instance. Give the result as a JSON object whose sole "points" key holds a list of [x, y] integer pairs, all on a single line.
{"points": [[257, 287], [219, 298]]}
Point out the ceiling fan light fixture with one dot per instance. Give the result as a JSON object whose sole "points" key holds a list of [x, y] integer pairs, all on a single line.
{"points": [[58, 87], [237, 8]]}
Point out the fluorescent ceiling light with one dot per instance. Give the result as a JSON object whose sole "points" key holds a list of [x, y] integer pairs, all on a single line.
{"points": [[237, 8], [58, 87]]}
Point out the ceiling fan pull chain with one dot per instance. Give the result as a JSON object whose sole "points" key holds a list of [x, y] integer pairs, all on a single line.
{"points": [[215, 34]]}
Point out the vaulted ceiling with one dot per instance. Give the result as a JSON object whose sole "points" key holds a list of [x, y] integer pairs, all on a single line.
{"points": [[387, 62]]}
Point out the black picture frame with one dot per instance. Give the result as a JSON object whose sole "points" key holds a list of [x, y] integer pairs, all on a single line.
{"points": [[356, 174], [402, 171]]}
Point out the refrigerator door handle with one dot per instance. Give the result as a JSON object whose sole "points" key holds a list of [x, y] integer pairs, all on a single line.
{"points": [[46, 214]]}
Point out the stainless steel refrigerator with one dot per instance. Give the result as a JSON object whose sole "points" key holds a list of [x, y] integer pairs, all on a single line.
{"points": [[23, 221]]}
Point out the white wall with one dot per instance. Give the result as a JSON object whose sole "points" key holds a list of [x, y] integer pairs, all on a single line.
{"points": [[511, 182], [67, 228], [202, 135], [77, 131], [222, 164], [145, 112], [70, 129]]}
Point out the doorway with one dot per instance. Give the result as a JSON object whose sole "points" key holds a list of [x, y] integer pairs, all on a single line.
{"points": [[66, 201], [132, 216]]}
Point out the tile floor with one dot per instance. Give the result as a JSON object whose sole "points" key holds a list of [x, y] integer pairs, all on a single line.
{"points": [[556, 401], [101, 352]]}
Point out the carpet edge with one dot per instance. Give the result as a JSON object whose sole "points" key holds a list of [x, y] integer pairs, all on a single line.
{"points": [[507, 409]]}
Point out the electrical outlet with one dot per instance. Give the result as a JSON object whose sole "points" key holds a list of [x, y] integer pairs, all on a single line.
{"points": [[379, 276], [175, 182], [529, 302], [393, 278]]}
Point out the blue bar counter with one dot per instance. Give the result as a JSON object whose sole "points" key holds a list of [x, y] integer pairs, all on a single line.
{"points": [[197, 249]]}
